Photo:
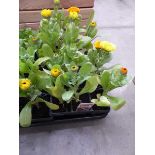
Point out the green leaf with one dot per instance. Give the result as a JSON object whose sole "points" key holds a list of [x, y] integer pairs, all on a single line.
{"points": [[41, 79], [82, 30], [80, 59], [25, 116], [86, 69], [56, 90], [84, 41], [66, 96], [34, 93], [90, 19], [92, 33], [118, 79], [93, 55], [105, 79], [71, 34], [22, 93], [23, 67], [41, 60], [44, 37], [56, 66], [22, 52], [90, 86], [47, 71], [66, 77], [54, 38], [103, 58], [47, 50], [25, 33], [81, 79], [94, 100], [101, 102], [113, 78], [116, 102], [44, 80], [50, 105], [31, 51]]}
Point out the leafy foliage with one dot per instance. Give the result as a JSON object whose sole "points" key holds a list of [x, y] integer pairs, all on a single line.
{"points": [[101, 101], [62, 44], [26, 115], [113, 78], [116, 102]]}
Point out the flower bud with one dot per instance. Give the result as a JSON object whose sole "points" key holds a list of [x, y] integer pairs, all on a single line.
{"points": [[56, 1]]}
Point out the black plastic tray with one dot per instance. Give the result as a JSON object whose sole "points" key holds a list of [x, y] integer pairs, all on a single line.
{"points": [[70, 116], [44, 116]]}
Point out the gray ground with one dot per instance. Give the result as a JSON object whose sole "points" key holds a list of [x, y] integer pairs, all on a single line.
{"points": [[113, 135]]}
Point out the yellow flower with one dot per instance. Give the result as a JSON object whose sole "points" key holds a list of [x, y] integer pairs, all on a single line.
{"points": [[34, 39], [107, 46], [46, 13], [74, 68], [24, 84], [55, 72], [97, 44], [124, 70], [93, 24], [73, 15], [73, 9]]}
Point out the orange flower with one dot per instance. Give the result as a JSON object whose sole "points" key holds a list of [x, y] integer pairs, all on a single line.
{"points": [[97, 44], [73, 9], [124, 70]]}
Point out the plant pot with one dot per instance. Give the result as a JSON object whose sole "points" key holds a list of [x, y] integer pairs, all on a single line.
{"points": [[95, 108], [99, 90], [39, 110], [42, 115], [62, 117], [85, 98], [22, 102], [62, 107], [74, 105]]}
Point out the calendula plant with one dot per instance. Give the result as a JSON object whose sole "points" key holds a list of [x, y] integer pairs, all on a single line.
{"points": [[62, 59], [111, 79], [65, 83], [31, 83]]}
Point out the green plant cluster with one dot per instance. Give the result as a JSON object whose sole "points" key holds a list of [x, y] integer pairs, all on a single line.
{"points": [[58, 58]]}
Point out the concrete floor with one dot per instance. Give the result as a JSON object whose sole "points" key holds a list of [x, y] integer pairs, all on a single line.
{"points": [[113, 135]]}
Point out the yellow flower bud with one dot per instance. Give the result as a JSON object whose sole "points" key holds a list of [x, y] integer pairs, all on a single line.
{"points": [[74, 68], [24, 84], [46, 13], [56, 1], [93, 24], [55, 72], [97, 44]]}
